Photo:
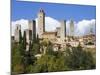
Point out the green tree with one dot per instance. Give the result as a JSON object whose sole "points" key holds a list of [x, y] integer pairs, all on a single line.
{"points": [[78, 59], [24, 40], [20, 36], [17, 59], [49, 63]]}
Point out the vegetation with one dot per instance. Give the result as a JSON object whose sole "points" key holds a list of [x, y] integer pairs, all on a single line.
{"points": [[89, 43], [74, 58]]}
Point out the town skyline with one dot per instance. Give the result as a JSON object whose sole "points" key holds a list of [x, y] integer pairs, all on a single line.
{"points": [[83, 16], [52, 37], [51, 24]]}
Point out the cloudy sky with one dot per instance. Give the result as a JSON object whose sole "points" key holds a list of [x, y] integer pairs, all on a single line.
{"points": [[81, 28], [84, 16]]}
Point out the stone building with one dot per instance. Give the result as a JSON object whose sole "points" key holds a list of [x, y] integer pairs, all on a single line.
{"points": [[32, 28], [63, 31], [58, 32], [71, 28], [28, 35], [51, 36], [58, 37], [17, 33], [41, 22], [28, 38]]}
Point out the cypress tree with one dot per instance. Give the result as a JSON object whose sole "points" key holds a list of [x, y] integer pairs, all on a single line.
{"points": [[20, 36], [24, 40], [37, 38]]}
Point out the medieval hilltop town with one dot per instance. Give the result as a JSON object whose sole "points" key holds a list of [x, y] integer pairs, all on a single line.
{"points": [[58, 38]]}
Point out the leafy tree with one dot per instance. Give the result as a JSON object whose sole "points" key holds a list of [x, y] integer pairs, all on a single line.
{"points": [[73, 58], [77, 58], [49, 50], [49, 63], [17, 63], [35, 49]]}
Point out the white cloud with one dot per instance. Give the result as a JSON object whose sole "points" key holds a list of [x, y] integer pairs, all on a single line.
{"points": [[50, 24], [22, 22], [82, 27]]}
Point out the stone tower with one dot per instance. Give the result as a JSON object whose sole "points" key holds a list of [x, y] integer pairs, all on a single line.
{"points": [[17, 32], [71, 28], [28, 38], [58, 32], [41, 22], [63, 30], [91, 30], [32, 28]]}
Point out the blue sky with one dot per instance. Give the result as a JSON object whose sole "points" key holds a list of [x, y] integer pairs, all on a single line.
{"points": [[29, 10]]}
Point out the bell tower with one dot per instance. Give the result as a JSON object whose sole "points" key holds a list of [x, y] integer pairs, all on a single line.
{"points": [[41, 22], [71, 27]]}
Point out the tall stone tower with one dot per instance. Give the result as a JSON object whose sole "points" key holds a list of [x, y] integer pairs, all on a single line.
{"points": [[32, 28], [41, 22], [28, 38], [58, 32], [71, 28], [63, 30], [91, 30], [17, 32]]}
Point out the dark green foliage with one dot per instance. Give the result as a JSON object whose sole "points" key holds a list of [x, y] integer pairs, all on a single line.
{"points": [[17, 59], [49, 63], [34, 37], [24, 40], [79, 59], [35, 49], [37, 39], [20, 36], [89, 43], [73, 58]]}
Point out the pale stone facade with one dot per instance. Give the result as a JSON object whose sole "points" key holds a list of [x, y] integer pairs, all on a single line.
{"points": [[17, 32], [63, 31], [51, 36], [32, 28], [58, 32], [28, 36], [71, 28], [41, 22]]}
